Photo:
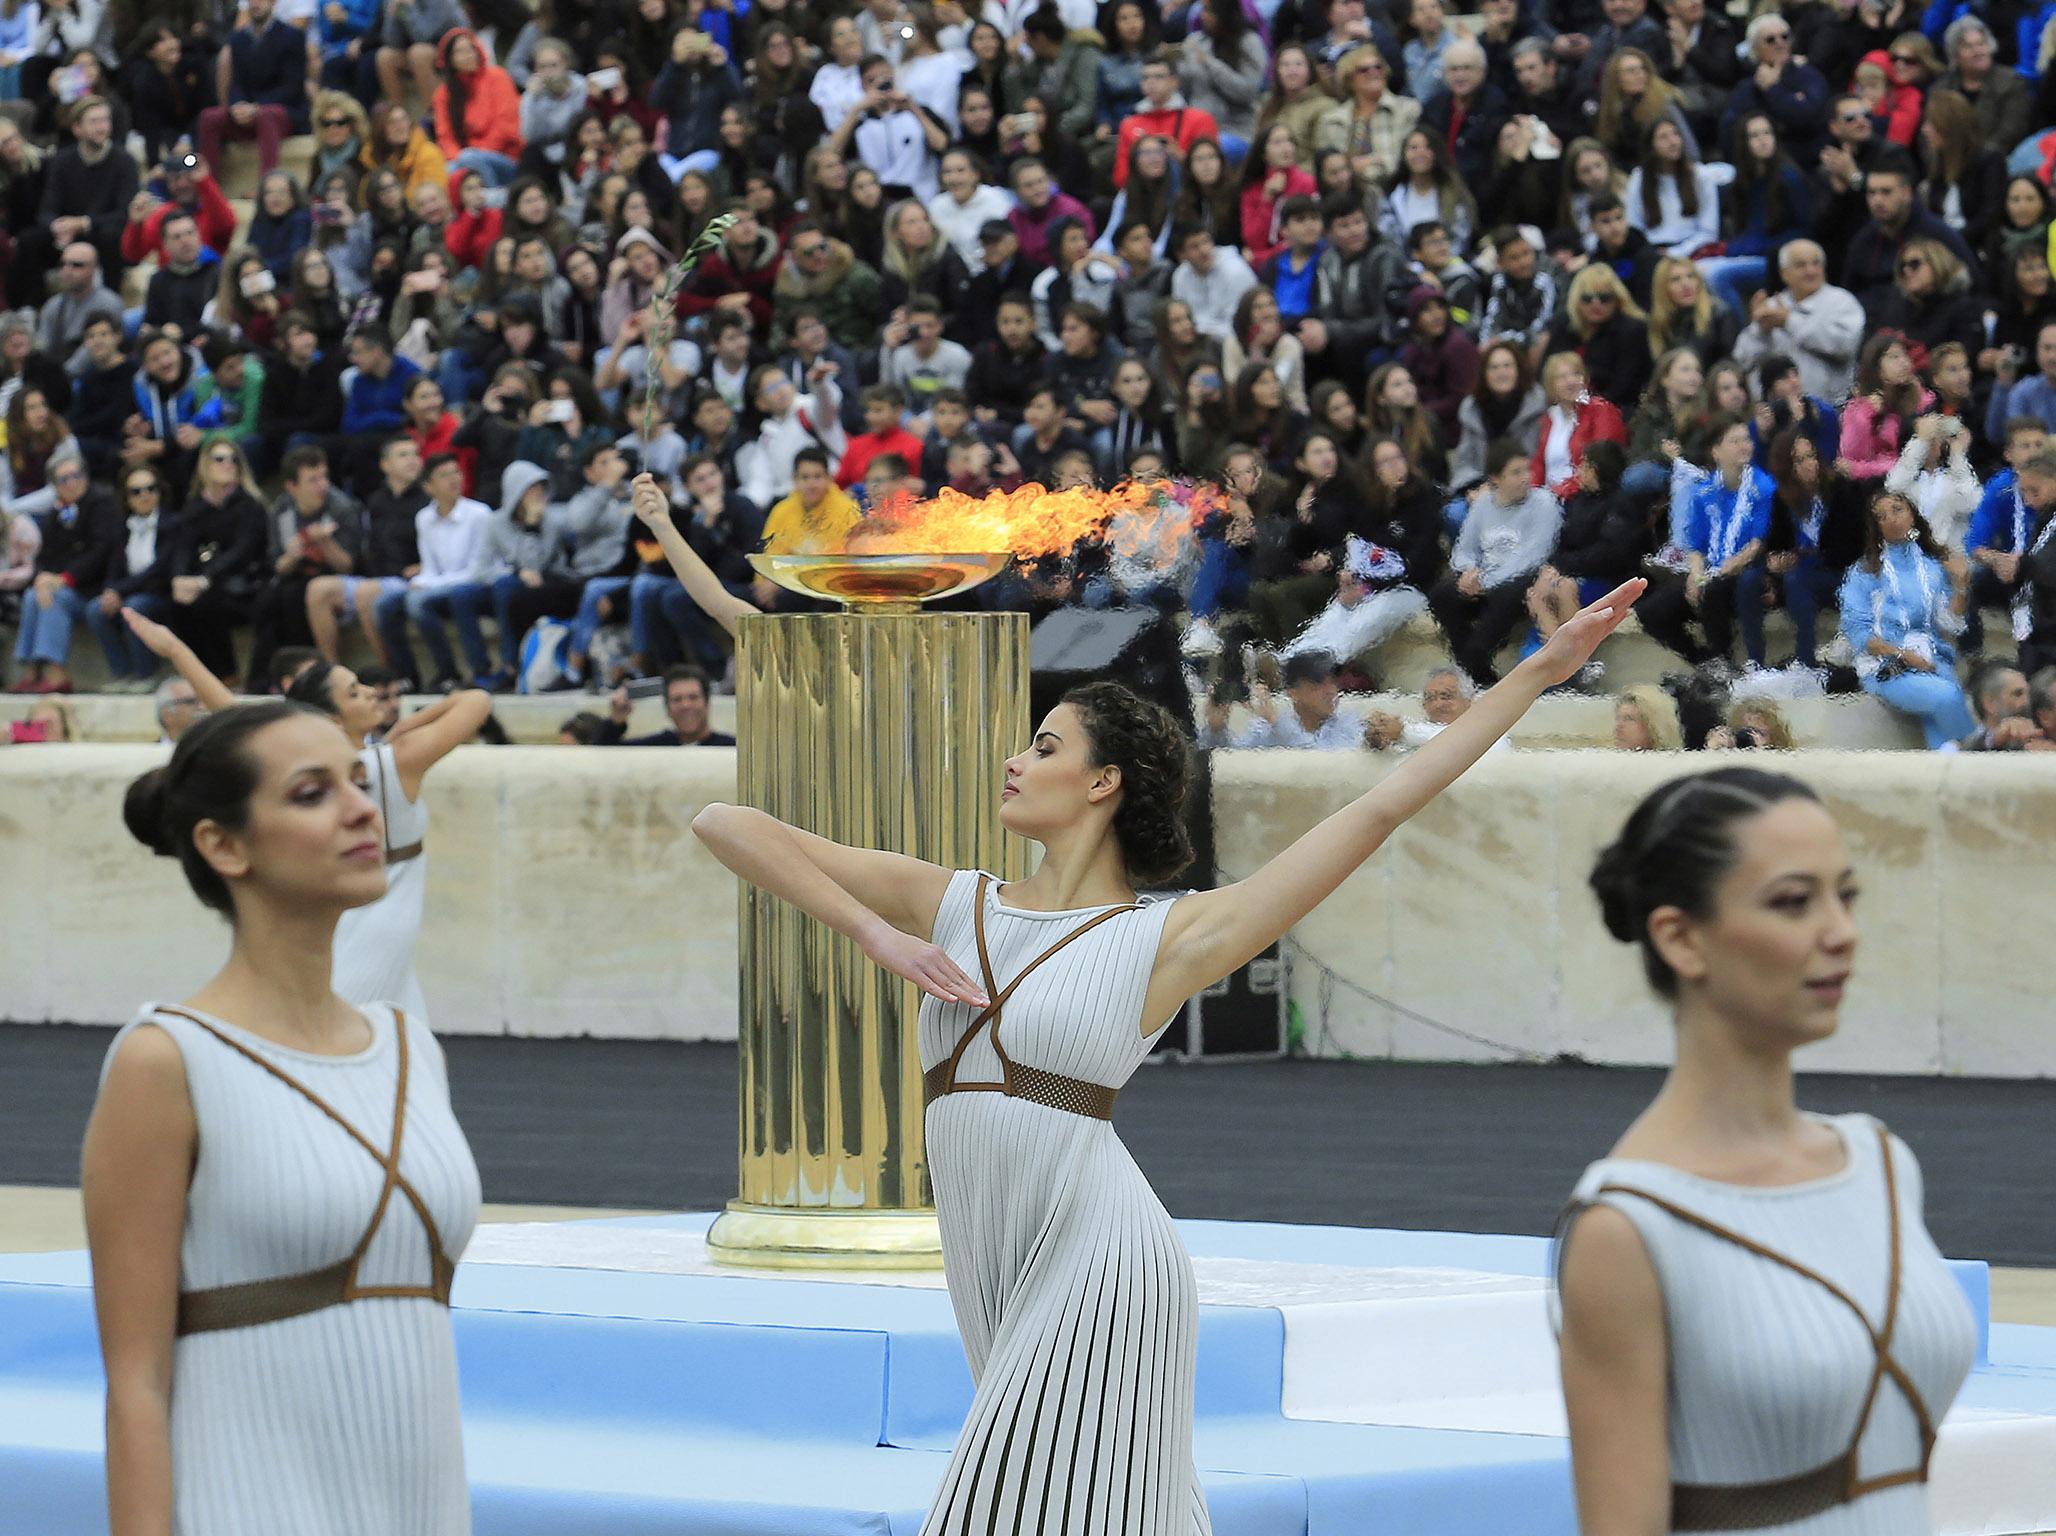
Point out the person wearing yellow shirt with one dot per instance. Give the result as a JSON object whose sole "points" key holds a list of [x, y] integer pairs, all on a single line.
{"points": [[817, 517]]}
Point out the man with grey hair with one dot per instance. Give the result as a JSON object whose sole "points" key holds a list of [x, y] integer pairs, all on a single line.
{"points": [[1819, 326], [1543, 89], [1792, 95], [178, 706], [81, 293], [1465, 112], [2004, 110]]}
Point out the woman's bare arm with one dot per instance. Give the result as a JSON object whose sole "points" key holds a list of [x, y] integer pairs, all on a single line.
{"points": [[422, 740], [1615, 1361], [653, 508], [140, 1145], [1213, 933], [886, 902], [211, 691]]}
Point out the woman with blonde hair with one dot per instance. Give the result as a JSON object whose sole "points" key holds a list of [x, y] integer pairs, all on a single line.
{"points": [[1634, 98], [342, 134], [1684, 313], [1602, 323], [1753, 723], [397, 144], [1930, 301], [1376, 121], [914, 255], [1646, 720]]}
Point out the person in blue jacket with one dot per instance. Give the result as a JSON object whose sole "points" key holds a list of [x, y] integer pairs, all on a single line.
{"points": [[2001, 528], [1727, 529], [1902, 606]]}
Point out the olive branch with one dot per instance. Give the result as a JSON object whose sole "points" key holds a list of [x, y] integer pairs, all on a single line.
{"points": [[663, 313]]}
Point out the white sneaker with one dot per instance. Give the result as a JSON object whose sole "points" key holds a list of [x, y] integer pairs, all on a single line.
{"points": [[1201, 639]]}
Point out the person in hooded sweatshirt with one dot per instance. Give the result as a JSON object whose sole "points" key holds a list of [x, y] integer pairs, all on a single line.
{"points": [[595, 524], [1509, 531], [474, 225], [524, 565], [477, 110]]}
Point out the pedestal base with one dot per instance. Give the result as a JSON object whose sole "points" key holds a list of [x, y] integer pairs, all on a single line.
{"points": [[780, 1237]]}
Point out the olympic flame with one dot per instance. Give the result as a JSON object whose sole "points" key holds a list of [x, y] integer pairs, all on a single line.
{"points": [[1152, 521]]}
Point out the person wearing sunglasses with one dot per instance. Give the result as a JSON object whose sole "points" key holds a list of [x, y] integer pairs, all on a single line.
{"points": [[1897, 220], [137, 575], [1793, 95]]}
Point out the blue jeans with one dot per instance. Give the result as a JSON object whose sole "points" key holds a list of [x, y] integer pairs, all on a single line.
{"points": [[1222, 582], [497, 169], [46, 632], [1935, 699], [127, 656], [1809, 587], [1733, 279], [696, 635], [427, 610], [588, 622]]}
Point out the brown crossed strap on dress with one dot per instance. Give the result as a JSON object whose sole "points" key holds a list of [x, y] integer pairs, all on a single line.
{"points": [[1053, 1090], [392, 855], [270, 1301], [1754, 1506]]}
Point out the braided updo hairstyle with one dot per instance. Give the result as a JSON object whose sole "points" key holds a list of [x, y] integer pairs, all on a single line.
{"points": [[1143, 740], [211, 777], [1677, 846]]}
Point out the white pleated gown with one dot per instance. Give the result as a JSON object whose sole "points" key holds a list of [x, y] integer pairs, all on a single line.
{"points": [[344, 1421], [1073, 1294], [374, 950]]}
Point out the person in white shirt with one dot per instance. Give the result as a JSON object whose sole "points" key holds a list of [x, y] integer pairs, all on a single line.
{"points": [[790, 421], [447, 531], [1668, 169], [965, 203], [1211, 281], [894, 136], [1310, 717], [1510, 529], [838, 83], [1819, 326], [1934, 469]]}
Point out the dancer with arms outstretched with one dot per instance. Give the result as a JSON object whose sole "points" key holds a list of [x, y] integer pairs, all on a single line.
{"points": [[1073, 1294]]}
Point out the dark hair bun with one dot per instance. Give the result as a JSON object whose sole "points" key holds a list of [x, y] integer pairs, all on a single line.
{"points": [[1145, 741], [142, 811], [1613, 882]]}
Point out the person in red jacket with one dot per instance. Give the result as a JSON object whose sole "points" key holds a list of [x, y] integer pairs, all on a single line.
{"points": [[473, 227], [185, 189], [477, 110], [1162, 112], [882, 435], [434, 429], [737, 274], [1574, 418], [1269, 176]]}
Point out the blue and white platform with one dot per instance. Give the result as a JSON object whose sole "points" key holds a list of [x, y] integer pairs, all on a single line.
{"points": [[1351, 1383]]}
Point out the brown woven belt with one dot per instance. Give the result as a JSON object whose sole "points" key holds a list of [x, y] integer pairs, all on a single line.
{"points": [[1756, 1506], [1052, 1090]]}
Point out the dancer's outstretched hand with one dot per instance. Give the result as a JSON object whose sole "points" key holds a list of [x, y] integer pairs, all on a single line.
{"points": [[926, 966], [157, 639], [1578, 636]]}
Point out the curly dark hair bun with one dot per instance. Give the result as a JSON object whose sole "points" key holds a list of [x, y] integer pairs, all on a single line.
{"points": [[1675, 849], [1151, 749]]}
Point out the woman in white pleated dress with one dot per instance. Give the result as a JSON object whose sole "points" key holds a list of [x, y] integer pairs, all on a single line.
{"points": [[1757, 1331], [375, 944], [1073, 1295], [276, 1189]]}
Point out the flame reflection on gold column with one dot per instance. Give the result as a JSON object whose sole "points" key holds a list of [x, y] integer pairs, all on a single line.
{"points": [[883, 730]]}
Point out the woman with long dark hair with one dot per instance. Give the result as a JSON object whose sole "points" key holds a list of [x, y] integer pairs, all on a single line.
{"points": [[1507, 402], [1798, 518], [279, 1307], [1392, 408], [477, 110], [1880, 414], [1727, 1225], [1207, 195], [1033, 1189], [1902, 605], [1768, 204], [1260, 414], [1425, 189]]}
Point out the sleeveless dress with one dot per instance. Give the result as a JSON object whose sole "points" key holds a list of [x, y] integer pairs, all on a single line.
{"points": [[374, 951], [314, 1380], [1073, 1294], [1816, 1339]]}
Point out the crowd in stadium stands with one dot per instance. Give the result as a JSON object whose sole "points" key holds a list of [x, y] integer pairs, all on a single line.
{"points": [[1472, 317]]}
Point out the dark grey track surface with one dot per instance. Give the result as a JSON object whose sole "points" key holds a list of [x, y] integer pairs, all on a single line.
{"points": [[1474, 1149]]}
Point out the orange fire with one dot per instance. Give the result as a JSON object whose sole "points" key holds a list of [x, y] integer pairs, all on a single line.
{"points": [[1147, 520]]}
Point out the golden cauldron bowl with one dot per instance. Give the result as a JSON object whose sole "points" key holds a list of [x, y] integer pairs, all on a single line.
{"points": [[879, 583]]}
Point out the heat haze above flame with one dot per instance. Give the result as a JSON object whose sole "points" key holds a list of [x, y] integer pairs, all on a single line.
{"points": [[1148, 520]]}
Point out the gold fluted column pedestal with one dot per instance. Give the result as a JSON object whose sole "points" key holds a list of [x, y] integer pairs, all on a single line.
{"points": [[881, 730]]}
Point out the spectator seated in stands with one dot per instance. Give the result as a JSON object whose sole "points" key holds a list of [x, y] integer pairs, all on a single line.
{"points": [[314, 530], [78, 536], [79, 295], [791, 423], [164, 422], [391, 555], [185, 185], [884, 407], [216, 563], [822, 274], [1211, 279], [1380, 582], [1727, 529], [1902, 605], [1575, 419], [917, 358], [184, 282], [1508, 533], [2005, 713], [448, 533], [815, 514], [595, 523], [2034, 613], [687, 699], [266, 72], [722, 528], [1645, 719], [1309, 716]]}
